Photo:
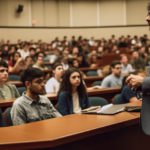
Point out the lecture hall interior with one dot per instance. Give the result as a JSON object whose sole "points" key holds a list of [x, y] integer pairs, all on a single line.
{"points": [[72, 74]]}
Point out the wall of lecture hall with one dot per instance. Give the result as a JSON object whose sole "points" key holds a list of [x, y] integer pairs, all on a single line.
{"points": [[75, 13]]}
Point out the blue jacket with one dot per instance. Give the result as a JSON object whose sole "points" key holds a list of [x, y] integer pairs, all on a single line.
{"points": [[65, 103], [2, 123]]}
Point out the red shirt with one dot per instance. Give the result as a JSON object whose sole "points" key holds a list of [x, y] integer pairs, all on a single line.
{"points": [[10, 63]]}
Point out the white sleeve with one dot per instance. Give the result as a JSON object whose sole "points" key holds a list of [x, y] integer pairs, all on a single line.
{"points": [[52, 59], [49, 86], [105, 83], [130, 68]]}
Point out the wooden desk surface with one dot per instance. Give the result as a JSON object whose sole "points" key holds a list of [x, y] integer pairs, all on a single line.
{"points": [[7, 102], [53, 132]]}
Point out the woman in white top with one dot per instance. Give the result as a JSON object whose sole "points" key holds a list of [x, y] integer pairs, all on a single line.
{"points": [[53, 84], [72, 96]]}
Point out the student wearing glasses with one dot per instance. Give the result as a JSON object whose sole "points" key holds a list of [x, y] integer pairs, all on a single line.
{"points": [[115, 78], [32, 106], [72, 96]]}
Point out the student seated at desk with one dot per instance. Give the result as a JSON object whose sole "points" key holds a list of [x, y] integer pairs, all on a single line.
{"points": [[114, 79], [32, 106], [126, 67], [15, 63], [82, 61], [53, 84], [73, 62], [7, 91], [127, 96], [72, 96], [55, 55], [39, 63]]}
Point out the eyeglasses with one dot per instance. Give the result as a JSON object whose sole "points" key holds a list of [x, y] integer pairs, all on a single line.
{"points": [[39, 81], [118, 68]]}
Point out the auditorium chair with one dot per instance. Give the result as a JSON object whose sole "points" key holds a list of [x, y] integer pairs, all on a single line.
{"points": [[49, 67], [14, 78], [97, 83], [117, 98], [92, 73], [21, 90], [7, 117], [97, 101]]}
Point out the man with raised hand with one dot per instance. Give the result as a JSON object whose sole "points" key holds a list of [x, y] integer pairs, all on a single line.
{"points": [[137, 82]]}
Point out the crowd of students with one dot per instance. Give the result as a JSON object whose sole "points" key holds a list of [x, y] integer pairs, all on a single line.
{"points": [[66, 80]]}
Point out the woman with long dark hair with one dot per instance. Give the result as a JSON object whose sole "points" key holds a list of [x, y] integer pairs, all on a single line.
{"points": [[15, 63], [82, 61], [72, 96]]}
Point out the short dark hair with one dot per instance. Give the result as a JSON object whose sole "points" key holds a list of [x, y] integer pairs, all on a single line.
{"points": [[30, 74], [13, 55], [32, 49], [3, 64], [56, 65], [27, 58], [66, 86], [71, 60], [64, 49], [39, 53], [39, 57], [4, 53], [114, 63], [134, 51]]}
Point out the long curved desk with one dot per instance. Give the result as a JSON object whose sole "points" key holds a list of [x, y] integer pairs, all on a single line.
{"points": [[78, 131]]}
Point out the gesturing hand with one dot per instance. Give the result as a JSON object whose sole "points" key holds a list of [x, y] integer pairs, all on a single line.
{"points": [[134, 81]]}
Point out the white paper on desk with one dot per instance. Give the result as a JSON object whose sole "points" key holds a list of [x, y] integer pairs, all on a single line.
{"points": [[104, 107], [112, 109]]}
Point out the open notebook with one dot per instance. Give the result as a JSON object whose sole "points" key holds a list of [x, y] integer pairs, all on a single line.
{"points": [[107, 109]]}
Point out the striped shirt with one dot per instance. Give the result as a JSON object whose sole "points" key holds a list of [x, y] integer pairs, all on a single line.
{"points": [[26, 110]]}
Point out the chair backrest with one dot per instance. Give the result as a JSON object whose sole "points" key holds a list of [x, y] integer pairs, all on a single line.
{"points": [[49, 67], [14, 78], [92, 73], [97, 101], [117, 99], [97, 83], [7, 117], [21, 90], [45, 60]]}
